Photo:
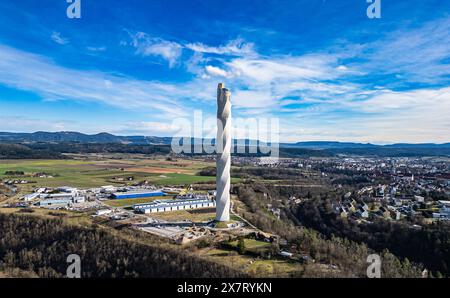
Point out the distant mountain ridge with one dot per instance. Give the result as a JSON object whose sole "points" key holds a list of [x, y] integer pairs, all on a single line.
{"points": [[328, 145], [348, 145], [71, 136], [103, 138]]}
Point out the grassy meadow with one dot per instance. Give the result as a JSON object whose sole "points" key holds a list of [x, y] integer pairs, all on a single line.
{"points": [[97, 172]]}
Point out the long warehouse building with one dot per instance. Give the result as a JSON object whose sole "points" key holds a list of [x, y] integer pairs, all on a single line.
{"points": [[138, 194], [173, 205]]}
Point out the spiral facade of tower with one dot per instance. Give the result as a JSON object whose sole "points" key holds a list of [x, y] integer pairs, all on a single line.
{"points": [[223, 150]]}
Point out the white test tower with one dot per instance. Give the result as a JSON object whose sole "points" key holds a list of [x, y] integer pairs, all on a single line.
{"points": [[223, 150]]}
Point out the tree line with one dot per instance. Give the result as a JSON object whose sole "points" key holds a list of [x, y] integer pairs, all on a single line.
{"points": [[428, 244], [40, 246], [350, 257]]}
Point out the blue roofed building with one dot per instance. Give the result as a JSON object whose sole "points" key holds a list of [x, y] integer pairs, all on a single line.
{"points": [[138, 194]]}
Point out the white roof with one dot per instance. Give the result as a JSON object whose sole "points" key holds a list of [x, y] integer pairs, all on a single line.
{"points": [[31, 195]]}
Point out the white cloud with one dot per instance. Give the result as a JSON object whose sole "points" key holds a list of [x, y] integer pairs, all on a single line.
{"points": [[35, 73], [284, 68], [385, 116], [320, 89], [149, 46], [417, 54], [419, 99], [149, 128], [96, 49], [216, 71], [316, 95], [253, 99], [236, 47], [23, 124], [260, 82], [56, 37]]}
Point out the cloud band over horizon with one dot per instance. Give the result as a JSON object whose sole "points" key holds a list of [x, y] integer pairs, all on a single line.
{"points": [[394, 87]]}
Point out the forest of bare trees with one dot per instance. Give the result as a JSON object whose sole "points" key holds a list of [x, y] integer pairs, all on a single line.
{"points": [[40, 247], [348, 256]]}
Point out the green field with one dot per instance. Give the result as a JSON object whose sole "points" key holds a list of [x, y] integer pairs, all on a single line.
{"points": [[65, 172], [183, 179], [179, 179], [95, 173], [249, 264], [252, 244]]}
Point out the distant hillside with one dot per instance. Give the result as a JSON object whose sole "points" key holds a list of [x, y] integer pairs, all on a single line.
{"points": [[326, 145], [313, 148], [347, 145], [70, 136], [18, 151], [393, 150]]}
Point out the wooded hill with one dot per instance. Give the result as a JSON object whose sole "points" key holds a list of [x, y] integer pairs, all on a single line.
{"points": [[41, 246]]}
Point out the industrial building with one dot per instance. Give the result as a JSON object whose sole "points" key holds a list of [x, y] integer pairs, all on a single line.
{"points": [[103, 212], [55, 203], [444, 211], [138, 194], [192, 196], [79, 199], [67, 189], [58, 196], [30, 197], [108, 189], [173, 205], [59, 200]]}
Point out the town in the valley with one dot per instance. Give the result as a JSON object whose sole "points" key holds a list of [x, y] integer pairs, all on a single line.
{"points": [[394, 189]]}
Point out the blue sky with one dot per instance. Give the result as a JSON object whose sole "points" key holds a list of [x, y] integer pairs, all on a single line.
{"points": [[325, 69]]}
